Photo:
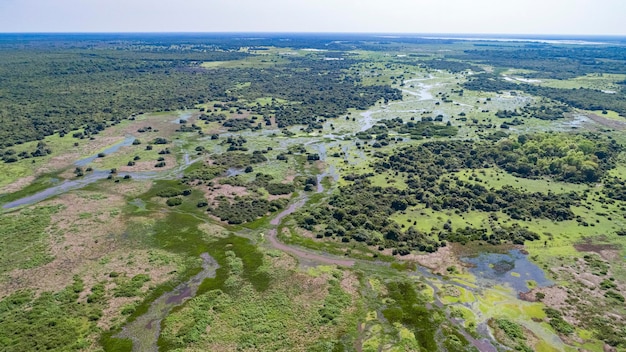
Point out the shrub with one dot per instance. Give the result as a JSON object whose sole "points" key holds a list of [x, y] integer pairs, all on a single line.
{"points": [[174, 201]]}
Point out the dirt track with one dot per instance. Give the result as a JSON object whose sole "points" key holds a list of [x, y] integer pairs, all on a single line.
{"points": [[301, 253]]}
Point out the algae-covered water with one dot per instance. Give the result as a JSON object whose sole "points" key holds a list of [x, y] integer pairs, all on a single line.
{"points": [[512, 268]]}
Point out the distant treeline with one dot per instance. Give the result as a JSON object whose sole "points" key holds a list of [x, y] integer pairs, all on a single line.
{"points": [[554, 62], [581, 98]]}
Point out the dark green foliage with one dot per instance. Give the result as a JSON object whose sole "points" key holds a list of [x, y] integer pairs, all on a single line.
{"points": [[244, 209], [556, 321], [614, 295], [169, 192], [607, 284], [172, 202], [203, 172], [238, 160], [334, 303], [615, 188], [514, 234], [279, 188], [564, 157], [511, 329], [132, 287], [416, 129], [407, 307], [452, 66], [558, 62], [546, 111], [360, 212], [235, 125], [159, 80], [609, 330], [307, 81], [50, 322], [10, 155]]}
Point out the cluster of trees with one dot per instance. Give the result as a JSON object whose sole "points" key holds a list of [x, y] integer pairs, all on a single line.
{"points": [[245, 209], [452, 66], [315, 89], [563, 157], [581, 98], [238, 160], [615, 188], [51, 89], [234, 143], [425, 128], [556, 62], [548, 112], [11, 156], [361, 211]]}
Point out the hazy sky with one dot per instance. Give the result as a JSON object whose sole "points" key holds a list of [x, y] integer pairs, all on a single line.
{"points": [[380, 16]]}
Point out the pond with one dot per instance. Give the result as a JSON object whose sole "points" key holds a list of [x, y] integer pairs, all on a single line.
{"points": [[512, 268]]}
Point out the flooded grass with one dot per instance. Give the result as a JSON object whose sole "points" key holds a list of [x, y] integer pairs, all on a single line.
{"points": [[41, 183]]}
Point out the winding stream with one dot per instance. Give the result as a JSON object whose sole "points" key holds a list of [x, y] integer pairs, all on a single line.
{"points": [[94, 176], [144, 331]]}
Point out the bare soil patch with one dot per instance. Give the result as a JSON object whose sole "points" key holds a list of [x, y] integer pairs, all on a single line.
{"points": [[607, 251], [227, 191], [437, 262], [618, 125], [149, 165], [161, 122], [17, 185], [87, 229]]}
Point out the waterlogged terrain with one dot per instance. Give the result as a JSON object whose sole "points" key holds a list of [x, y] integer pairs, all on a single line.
{"points": [[440, 196]]}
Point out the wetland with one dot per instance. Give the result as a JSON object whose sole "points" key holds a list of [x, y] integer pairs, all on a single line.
{"points": [[433, 196]]}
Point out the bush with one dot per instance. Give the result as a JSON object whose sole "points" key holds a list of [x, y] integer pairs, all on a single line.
{"points": [[174, 201], [169, 192]]}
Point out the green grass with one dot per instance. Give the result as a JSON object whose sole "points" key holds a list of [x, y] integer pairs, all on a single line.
{"points": [[51, 321], [498, 178], [591, 81], [12, 172], [24, 238], [125, 154], [253, 61], [388, 180], [39, 184]]}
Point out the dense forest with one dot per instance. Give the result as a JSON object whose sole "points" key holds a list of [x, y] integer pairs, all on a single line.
{"points": [[49, 89], [360, 211]]}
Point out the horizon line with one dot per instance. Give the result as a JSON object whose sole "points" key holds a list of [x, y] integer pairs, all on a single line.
{"points": [[320, 32]]}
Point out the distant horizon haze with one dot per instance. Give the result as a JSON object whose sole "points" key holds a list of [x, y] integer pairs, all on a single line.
{"points": [[478, 17]]}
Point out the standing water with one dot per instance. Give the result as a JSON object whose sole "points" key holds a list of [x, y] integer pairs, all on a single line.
{"points": [[144, 331]]}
